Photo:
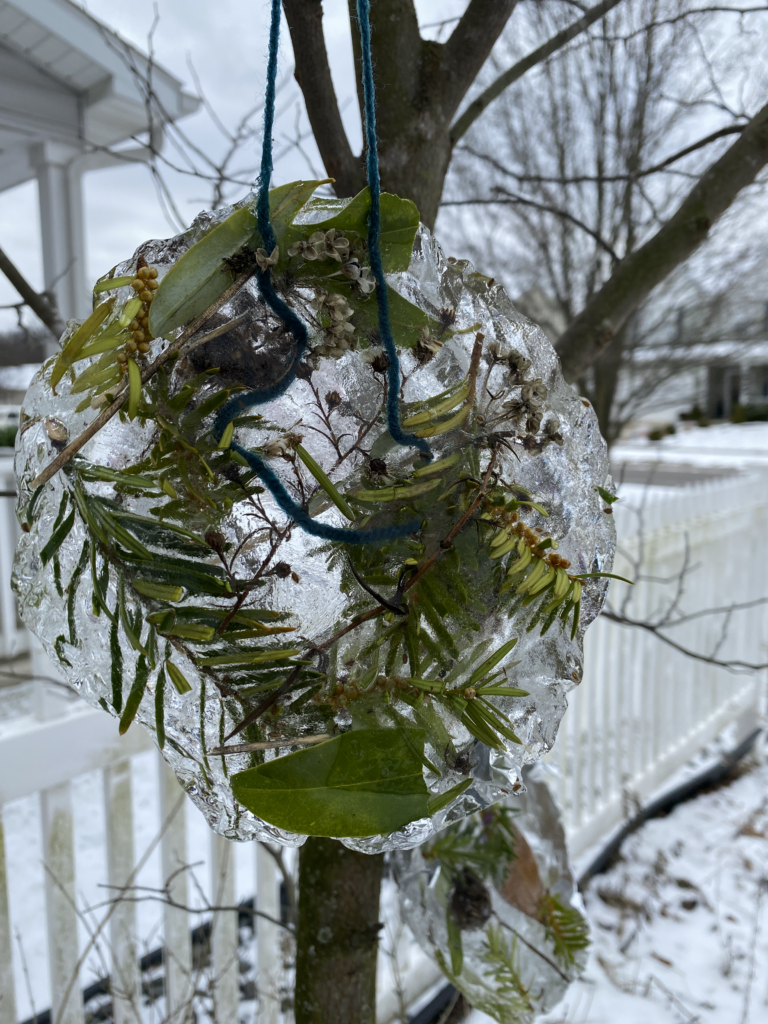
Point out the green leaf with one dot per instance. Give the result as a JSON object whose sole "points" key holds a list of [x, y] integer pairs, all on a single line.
{"points": [[108, 284], [116, 655], [83, 334], [160, 708], [601, 575], [361, 783], [606, 495], [492, 662], [325, 482], [178, 678], [399, 224], [284, 203], [250, 657], [57, 538], [134, 389], [200, 276], [134, 697], [437, 803], [454, 943]]}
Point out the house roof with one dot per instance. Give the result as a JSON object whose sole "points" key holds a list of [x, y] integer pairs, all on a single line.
{"points": [[66, 77]]}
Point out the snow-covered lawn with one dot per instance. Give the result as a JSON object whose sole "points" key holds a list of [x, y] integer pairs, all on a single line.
{"points": [[680, 922]]}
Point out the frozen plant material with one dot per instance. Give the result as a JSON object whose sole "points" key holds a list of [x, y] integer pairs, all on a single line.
{"points": [[163, 574], [492, 900]]}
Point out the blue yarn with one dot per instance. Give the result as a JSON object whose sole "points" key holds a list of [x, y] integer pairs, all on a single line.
{"points": [[239, 403], [306, 522], [374, 227]]}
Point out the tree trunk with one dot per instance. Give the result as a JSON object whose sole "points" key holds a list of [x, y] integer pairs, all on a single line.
{"points": [[605, 380], [338, 934]]}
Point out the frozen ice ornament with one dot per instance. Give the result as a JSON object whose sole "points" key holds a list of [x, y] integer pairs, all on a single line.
{"points": [[493, 901], [342, 579]]}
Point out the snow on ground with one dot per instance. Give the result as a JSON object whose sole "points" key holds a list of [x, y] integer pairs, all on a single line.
{"points": [[680, 922], [730, 445]]}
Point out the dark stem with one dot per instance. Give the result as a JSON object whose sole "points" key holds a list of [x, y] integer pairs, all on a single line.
{"points": [[338, 934]]}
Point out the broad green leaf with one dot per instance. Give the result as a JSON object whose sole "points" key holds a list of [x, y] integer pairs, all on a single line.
{"points": [[284, 203], [399, 224], [362, 783], [405, 319], [200, 276]]}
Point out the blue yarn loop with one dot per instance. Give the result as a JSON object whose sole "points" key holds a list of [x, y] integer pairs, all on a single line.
{"points": [[239, 403], [271, 480], [374, 228]]}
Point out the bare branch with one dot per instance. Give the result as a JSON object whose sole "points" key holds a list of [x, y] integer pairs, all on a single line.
{"points": [[469, 46], [509, 199], [41, 305], [313, 74], [557, 42], [639, 273], [734, 665]]}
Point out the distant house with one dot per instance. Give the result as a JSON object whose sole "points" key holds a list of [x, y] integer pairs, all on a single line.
{"points": [[70, 92]]}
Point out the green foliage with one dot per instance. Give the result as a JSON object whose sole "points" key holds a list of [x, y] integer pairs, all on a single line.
{"points": [[200, 275], [502, 960], [483, 842], [566, 929], [358, 784]]}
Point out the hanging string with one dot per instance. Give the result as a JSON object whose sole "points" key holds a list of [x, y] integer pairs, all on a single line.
{"points": [[237, 405], [374, 228]]}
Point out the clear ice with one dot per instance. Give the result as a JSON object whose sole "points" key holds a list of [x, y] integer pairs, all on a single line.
{"points": [[563, 477]]}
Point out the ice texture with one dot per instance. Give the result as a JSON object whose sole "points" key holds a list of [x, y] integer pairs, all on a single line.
{"points": [[562, 477], [425, 887]]}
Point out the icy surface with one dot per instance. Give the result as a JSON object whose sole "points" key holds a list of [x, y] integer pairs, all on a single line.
{"points": [[424, 898], [563, 478], [679, 922]]}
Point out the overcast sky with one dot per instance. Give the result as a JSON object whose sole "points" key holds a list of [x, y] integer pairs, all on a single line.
{"points": [[226, 42]]}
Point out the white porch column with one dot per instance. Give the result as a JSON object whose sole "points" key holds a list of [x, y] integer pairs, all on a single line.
{"points": [[62, 225]]}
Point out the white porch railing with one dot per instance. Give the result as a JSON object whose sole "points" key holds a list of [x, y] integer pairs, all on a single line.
{"points": [[642, 711]]}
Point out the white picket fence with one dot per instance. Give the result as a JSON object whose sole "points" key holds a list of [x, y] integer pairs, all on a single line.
{"points": [[642, 711], [645, 709]]}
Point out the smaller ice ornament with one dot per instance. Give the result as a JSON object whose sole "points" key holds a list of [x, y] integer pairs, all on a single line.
{"points": [[492, 900], [374, 686]]}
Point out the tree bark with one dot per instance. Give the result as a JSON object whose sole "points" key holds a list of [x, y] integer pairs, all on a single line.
{"points": [[420, 85], [338, 934], [639, 273]]}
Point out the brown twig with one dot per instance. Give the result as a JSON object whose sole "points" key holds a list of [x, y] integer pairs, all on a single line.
{"points": [[297, 741], [106, 415]]}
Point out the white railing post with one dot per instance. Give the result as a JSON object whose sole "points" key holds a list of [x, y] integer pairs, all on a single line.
{"points": [[59, 860], [7, 1000], [267, 938], [125, 982], [179, 983], [224, 932]]}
